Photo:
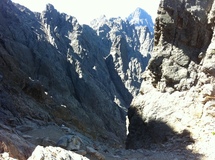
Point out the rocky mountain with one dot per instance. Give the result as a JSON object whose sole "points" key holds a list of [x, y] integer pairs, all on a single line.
{"points": [[141, 18], [130, 48], [175, 106], [60, 78]]}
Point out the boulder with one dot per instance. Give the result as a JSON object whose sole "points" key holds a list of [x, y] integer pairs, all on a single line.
{"points": [[54, 153], [70, 142]]}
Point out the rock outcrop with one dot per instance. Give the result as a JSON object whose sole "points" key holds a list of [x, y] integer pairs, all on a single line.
{"points": [[130, 44], [177, 92], [54, 153], [55, 72]]}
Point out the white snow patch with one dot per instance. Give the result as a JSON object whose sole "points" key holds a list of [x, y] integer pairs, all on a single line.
{"points": [[30, 78], [62, 105]]}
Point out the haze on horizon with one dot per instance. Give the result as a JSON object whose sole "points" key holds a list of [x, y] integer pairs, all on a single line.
{"points": [[87, 10]]}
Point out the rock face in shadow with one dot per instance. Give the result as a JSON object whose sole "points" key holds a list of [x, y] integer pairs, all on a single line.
{"points": [[178, 84], [55, 71]]}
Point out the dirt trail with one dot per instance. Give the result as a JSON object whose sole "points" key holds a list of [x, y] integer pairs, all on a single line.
{"points": [[173, 150]]}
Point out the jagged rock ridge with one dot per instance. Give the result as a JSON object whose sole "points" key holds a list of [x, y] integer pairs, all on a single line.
{"points": [[55, 72], [178, 85], [130, 46]]}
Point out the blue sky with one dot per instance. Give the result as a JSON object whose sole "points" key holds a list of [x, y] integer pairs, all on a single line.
{"points": [[87, 10]]}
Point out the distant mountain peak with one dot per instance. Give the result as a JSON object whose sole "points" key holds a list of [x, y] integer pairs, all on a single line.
{"points": [[141, 18], [50, 7], [139, 12], [98, 21]]}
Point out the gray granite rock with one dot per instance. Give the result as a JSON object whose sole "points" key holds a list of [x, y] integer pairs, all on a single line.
{"points": [[54, 153], [177, 92], [54, 70]]}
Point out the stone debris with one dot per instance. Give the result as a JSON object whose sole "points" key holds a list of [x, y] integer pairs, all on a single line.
{"points": [[92, 151], [70, 142]]}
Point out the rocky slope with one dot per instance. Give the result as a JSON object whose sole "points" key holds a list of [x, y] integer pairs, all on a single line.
{"points": [[175, 105], [58, 77]]}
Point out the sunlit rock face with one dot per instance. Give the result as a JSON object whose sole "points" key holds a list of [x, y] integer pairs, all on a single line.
{"points": [[178, 84], [56, 72]]}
